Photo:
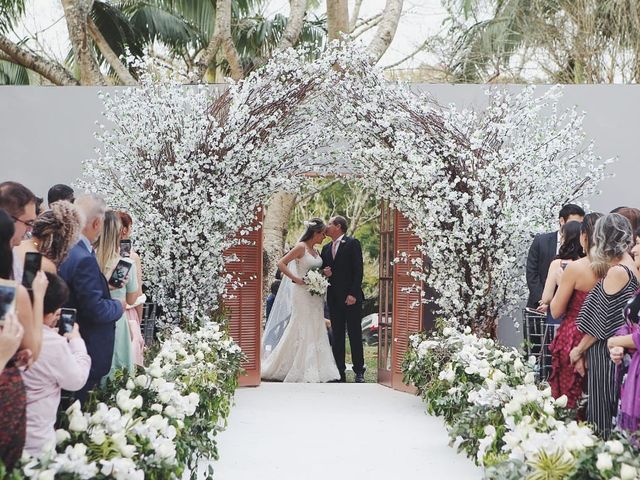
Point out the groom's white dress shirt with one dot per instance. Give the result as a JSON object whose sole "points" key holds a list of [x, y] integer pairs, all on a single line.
{"points": [[336, 245]]}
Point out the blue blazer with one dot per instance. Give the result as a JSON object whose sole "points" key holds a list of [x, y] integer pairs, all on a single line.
{"points": [[97, 312]]}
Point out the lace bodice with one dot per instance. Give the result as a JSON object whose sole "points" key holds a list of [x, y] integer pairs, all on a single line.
{"points": [[307, 262]]}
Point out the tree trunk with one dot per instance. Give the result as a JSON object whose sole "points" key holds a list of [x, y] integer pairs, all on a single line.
{"points": [[123, 73], [337, 18], [354, 16], [52, 71], [76, 13], [274, 226], [386, 29], [298, 9], [222, 38]]}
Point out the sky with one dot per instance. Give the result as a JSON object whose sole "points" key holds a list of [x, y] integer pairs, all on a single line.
{"points": [[420, 19]]}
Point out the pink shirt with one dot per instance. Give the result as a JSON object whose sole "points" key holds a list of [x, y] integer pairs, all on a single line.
{"points": [[61, 364]]}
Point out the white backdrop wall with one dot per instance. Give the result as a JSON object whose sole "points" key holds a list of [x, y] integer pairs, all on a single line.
{"points": [[46, 133]]}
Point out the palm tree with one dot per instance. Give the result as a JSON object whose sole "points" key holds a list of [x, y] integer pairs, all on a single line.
{"points": [[178, 31]]}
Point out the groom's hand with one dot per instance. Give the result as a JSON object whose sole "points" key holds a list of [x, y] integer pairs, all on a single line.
{"points": [[327, 271], [351, 300]]}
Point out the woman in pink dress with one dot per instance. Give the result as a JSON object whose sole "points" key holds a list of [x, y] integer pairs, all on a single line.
{"points": [[575, 283]]}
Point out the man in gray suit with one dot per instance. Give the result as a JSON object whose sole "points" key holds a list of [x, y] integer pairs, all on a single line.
{"points": [[543, 250]]}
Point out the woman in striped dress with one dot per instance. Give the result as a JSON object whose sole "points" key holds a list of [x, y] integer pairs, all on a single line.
{"points": [[603, 314]]}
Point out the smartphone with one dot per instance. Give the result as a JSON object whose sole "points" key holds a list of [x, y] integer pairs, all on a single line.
{"points": [[7, 298], [32, 265], [120, 273], [125, 248], [67, 320]]}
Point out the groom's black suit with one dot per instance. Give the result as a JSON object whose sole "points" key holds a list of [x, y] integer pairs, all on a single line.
{"points": [[346, 279]]}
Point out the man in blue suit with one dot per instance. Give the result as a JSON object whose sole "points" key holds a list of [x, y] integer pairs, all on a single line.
{"points": [[90, 295]]}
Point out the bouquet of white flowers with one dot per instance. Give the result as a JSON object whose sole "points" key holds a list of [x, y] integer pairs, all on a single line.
{"points": [[316, 282]]}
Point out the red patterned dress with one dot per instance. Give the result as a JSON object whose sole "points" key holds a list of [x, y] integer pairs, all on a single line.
{"points": [[564, 380], [13, 415]]}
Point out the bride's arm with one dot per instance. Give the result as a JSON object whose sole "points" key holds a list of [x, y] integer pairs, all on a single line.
{"points": [[296, 252]]}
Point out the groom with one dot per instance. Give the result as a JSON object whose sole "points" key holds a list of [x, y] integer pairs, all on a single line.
{"points": [[342, 262]]}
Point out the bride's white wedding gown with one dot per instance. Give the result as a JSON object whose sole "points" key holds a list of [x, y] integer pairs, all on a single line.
{"points": [[303, 354]]}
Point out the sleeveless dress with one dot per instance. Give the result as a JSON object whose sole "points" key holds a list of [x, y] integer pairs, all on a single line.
{"points": [[303, 355], [13, 415], [564, 380], [601, 316]]}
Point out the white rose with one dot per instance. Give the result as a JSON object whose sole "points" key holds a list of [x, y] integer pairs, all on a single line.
{"points": [[62, 436], [155, 371], [141, 381], [127, 451], [489, 431], [164, 397], [517, 365], [122, 400], [561, 401], [156, 407], [498, 376], [78, 423], [98, 436], [627, 472], [615, 447], [47, 475], [130, 385], [137, 402], [604, 462], [170, 411], [529, 378], [199, 355]]}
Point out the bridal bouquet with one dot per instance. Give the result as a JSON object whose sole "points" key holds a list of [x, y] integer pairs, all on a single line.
{"points": [[316, 282]]}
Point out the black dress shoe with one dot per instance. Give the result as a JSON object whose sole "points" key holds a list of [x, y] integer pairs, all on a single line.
{"points": [[359, 377], [340, 380]]}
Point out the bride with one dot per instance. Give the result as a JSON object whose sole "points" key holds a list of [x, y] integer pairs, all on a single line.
{"points": [[295, 345]]}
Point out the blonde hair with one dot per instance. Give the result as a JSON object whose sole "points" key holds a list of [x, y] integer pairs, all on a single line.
{"points": [[57, 230], [108, 243], [612, 238]]}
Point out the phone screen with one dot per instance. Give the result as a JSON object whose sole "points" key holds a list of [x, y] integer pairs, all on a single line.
{"points": [[67, 320], [120, 273], [125, 248], [32, 264], [7, 298]]}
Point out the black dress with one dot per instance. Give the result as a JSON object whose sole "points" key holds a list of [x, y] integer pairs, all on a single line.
{"points": [[601, 315]]}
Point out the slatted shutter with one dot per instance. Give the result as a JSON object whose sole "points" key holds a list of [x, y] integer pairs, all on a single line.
{"points": [[246, 304], [407, 318]]}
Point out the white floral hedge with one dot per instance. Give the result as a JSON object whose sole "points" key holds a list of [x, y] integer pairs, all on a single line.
{"points": [[154, 426], [498, 415]]}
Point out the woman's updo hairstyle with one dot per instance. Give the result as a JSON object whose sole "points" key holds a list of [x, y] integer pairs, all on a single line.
{"points": [[57, 230], [314, 225], [612, 238], [587, 228]]}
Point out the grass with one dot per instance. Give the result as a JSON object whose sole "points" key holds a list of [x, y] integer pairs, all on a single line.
{"points": [[370, 361]]}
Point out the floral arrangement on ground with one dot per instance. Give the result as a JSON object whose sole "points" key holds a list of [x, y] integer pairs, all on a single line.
{"points": [[155, 425], [497, 413]]}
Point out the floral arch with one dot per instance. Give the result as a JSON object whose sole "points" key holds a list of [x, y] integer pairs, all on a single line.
{"points": [[194, 166]]}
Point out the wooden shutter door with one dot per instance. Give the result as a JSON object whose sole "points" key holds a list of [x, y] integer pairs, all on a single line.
{"points": [[246, 305], [407, 320]]}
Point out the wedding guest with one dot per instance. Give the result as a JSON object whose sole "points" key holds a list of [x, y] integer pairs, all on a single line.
{"points": [[542, 252], [12, 397], [12, 392], [134, 314], [108, 256], [20, 203], [29, 312], [60, 192], [39, 202], [575, 283], [63, 364], [54, 233], [602, 315], [628, 338], [633, 215], [570, 251], [635, 250], [89, 294]]}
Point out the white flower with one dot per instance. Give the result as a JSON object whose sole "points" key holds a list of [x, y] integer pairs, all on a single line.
{"points": [[47, 475], [130, 384], [615, 447], [170, 411], [529, 378], [78, 423], [561, 401], [97, 436], [155, 371], [604, 462], [156, 407], [627, 472], [142, 381], [62, 436]]}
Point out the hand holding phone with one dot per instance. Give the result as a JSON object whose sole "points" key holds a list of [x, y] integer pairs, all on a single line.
{"points": [[67, 320], [32, 265], [120, 273], [7, 298]]}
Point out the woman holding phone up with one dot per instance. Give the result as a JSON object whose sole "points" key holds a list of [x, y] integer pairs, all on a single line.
{"points": [[110, 262]]}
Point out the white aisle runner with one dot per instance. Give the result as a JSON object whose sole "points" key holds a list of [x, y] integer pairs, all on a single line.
{"points": [[335, 432]]}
